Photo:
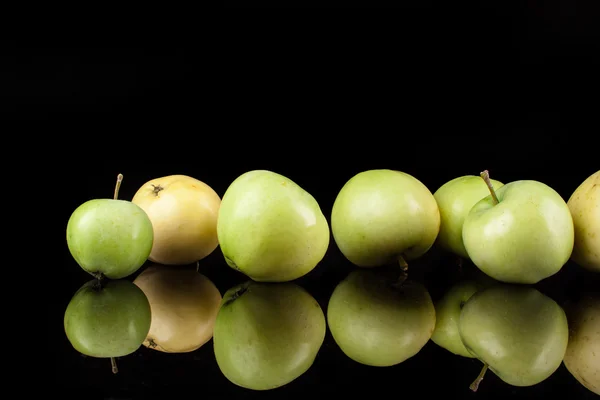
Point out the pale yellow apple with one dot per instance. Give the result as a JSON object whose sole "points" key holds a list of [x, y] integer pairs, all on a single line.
{"points": [[584, 204], [183, 212]]}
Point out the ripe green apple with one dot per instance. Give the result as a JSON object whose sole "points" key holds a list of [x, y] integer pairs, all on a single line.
{"points": [[584, 204], [382, 215], [582, 358], [518, 333], [376, 323], [271, 229], [447, 312], [267, 334], [107, 319], [523, 233], [110, 236], [455, 199]]}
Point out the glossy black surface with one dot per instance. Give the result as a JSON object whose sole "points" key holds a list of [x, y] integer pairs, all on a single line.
{"points": [[317, 111], [147, 372]]}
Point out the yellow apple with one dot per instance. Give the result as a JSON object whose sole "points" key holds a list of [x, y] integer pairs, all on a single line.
{"points": [[183, 212], [584, 204]]}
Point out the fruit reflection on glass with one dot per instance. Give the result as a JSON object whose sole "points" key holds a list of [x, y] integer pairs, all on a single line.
{"points": [[517, 332], [267, 334], [582, 358], [447, 312], [184, 306], [110, 237], [107, 319], [378, 322]]}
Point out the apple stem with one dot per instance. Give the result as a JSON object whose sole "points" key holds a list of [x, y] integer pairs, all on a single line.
{"points": [[403, 271], [118, 186], [403, 264], [197, 266], [485, 175], [99, 282], [113, 363], [475, 385]]}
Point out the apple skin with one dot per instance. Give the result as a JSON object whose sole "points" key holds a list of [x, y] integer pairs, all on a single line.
{"points": [[582, 358], [184, 306], [455, 199], [527, 237], [520, 333], [113, 237], [379, 215], [271, 229], [109, 322], [184, 213], [447, 312], [377, 324], [267, 334], [584, 204]]}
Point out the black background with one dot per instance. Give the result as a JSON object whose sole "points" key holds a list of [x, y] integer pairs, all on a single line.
{"points": [[509, 91]]}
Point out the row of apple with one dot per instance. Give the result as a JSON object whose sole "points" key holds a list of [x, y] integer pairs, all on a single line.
{"points": [[266, 335], [270, 229]]}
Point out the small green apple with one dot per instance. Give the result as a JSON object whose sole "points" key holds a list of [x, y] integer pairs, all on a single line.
{"points": [[582, 358], [110, 236], [447, 312], [455, 199], [107, 319], [518, 333], [266, 335], [381, 215], [271, 229], [584, 204], [377, 323], [522, 233]]}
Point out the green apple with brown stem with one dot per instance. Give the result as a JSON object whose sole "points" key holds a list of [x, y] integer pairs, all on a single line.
{"points": [[110, 237], [521, 233], [518, 333], [584, 204], [455, 199], [377, 322], [380, 216]]}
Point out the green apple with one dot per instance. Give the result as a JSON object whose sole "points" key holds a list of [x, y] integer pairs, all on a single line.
{"points": [[377, 323], [447, 312], [271, 229], [518, 333], [582, 358], [522, 233], [382, 215], [266, 335], [109, 236], [455, 199], [584, 204], [107, 319]]}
